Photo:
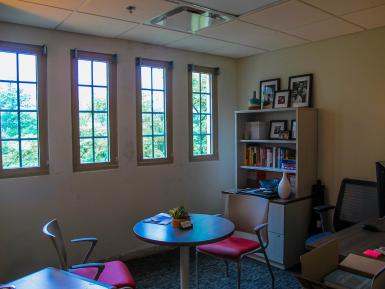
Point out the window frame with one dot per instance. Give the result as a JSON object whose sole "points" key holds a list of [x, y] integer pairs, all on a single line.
{"points": [[41, 83], [167, 66], [112, 89], [214, 71]]}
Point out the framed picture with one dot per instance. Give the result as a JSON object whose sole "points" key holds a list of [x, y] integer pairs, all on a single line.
{"points": [[281, 99], [276, 127], [301, 90], [267, 89], [293, 129]]}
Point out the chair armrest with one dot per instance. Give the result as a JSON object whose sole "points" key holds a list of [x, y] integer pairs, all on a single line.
{"points": [[258, 230], [93, 242], [323, 208], [100, 267], [259, 227]]}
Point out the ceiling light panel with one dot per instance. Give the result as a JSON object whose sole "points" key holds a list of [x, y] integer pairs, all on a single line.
{"points": [[238, 7], [144, 9]]}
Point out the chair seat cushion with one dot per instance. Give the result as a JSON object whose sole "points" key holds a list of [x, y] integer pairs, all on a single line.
{"points": [[315, 238], [115, 273], [231, 248]]}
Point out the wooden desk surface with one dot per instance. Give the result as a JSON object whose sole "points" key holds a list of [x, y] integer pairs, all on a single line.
{"points": [[51, 278], [355, 240]]}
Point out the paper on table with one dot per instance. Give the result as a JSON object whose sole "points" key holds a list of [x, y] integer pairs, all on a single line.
{"points": [[160, 219]]}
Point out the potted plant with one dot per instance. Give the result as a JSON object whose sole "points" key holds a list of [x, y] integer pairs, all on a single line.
{"points": [[178, 215]]}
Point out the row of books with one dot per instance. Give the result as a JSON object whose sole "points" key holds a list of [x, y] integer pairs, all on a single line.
{"points": [[274, 157]]}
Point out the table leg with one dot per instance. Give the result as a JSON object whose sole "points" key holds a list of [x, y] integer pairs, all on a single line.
{"points": [[184, 267]]}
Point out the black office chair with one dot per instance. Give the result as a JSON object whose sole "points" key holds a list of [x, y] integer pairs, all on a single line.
{"points": [[357, 201]]}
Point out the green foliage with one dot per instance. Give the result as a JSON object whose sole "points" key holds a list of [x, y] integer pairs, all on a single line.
{"points": [[179, 213]]}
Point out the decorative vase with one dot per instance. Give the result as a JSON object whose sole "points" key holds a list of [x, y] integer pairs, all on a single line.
{"points": [[284, 187]]}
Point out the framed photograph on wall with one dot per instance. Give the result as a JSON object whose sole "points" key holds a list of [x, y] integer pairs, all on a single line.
{"points": [[267, 89], [301, 90], [276, 127], [293, 134], [281, 99]]}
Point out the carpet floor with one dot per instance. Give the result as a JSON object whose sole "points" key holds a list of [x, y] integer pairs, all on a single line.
{"points": [[161, 271]]}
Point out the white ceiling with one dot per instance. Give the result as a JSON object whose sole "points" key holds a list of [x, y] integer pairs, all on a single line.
{"points": [[261, 25]]}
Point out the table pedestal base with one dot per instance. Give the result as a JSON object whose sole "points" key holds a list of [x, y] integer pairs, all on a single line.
{"points": [[184, 264]]}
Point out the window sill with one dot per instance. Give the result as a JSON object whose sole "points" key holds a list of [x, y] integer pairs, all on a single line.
{"points": [[95, 167], [151, 162], [26, 172], [203, 158]]}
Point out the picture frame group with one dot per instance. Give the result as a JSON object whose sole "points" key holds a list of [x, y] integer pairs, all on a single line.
{"points": [[299, 93], [279, 130]]}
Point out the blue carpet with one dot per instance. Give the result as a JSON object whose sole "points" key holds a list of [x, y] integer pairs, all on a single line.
{"points": [[161, 271]]}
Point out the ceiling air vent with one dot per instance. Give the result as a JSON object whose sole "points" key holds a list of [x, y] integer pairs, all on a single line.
{"points": [[190, 19]]}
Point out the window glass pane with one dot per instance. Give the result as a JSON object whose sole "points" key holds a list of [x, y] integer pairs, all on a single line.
{"points": [[146, 77], [8, 95], [8, 66], [205, 103], [196, 144], [28, 124], [206, 145], [27, 67], [85, 98], [100, 73], [205, 124], [196, 119], [85, 124], [30, 153], [158, 101], [147, 148], [159, 147], [146, 101], [9, 125], [10, 154], [146, 124], [86, 151], [27, 96], [84, 72], [101, 124], [196, 103], [101, 150], [100, 99], [157, 78], [205, 83], [159, 124], [195, 82]]}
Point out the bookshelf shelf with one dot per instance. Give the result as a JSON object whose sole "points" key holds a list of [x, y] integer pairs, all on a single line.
{"points": [[267, 141], [268, 169]]}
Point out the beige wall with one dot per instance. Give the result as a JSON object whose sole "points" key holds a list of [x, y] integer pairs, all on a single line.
{"points": [[106, 204], [349, 92]]}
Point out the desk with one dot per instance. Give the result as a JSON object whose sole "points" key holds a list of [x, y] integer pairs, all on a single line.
{"points": [[207, 229], [355, 240], [51, 278]]}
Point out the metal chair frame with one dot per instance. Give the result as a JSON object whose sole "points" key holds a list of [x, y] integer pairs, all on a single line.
{"points": [[260, 249]]}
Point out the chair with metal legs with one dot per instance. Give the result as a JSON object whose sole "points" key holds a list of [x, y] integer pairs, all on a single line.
{"points": [[233, 249]]}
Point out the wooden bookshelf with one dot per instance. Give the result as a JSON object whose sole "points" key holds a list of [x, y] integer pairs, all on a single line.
{"points": [[305, 146]]}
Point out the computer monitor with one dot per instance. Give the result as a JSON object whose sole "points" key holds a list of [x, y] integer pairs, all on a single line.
{"points": [[380, 168]]}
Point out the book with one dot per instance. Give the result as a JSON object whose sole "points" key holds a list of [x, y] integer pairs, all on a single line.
{"points": [[273, 157]]}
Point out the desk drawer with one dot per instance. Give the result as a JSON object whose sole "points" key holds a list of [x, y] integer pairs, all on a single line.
{"points": [[276, 247]]}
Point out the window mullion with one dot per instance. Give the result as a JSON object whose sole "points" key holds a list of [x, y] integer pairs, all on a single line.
{"points": [[152, 115], [18, 110], [92, 112]]}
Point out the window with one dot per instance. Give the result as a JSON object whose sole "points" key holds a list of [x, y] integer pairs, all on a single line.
{"points": [[203, 113], [23, 133], [154, 127], [94, 110]]}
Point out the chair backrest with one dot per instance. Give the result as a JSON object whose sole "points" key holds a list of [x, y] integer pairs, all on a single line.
{"points": [[52, 230], [357, 201]]}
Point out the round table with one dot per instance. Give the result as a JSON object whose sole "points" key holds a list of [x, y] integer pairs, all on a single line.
{"points": [[206, 229]]}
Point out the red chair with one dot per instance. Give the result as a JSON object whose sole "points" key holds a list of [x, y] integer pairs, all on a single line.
{"points": [[114, 273], [233, 249]]}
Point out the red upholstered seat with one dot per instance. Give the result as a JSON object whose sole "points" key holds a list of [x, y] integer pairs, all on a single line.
{"points": [[115, 273], [232, 247]]}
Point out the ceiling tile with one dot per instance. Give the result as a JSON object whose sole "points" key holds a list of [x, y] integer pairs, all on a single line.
{"points": [[369, 18], [67, 4], [153, 35], [340, 7], [286, 16], [248, 34], [236, 51], [31, 14], [145, 9], [95, 25], [233, 7], [198, 43], [329, 28]]}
